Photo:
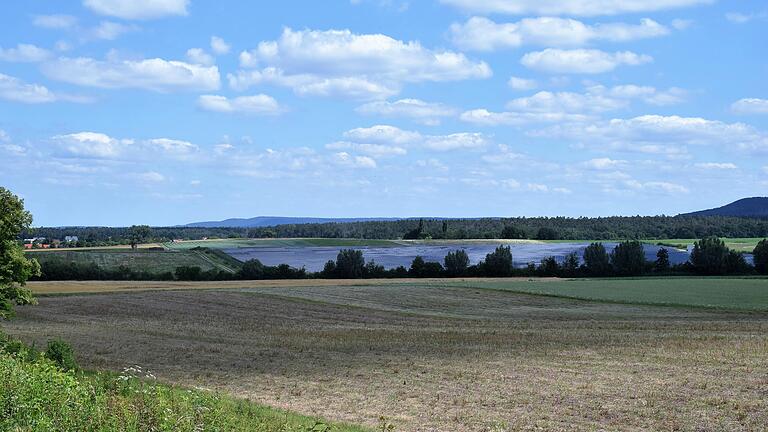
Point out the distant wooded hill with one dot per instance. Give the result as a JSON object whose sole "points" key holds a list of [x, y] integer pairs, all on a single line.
{"points": [[267, 221], [747, 207]]}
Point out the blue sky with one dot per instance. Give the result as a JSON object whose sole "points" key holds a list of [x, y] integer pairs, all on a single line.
{"points": [[116, 112]]}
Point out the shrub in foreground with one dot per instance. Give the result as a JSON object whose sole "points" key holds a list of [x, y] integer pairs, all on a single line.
{"points": [[61, 354]]}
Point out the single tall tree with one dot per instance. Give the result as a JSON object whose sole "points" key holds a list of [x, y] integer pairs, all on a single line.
{"points": [[760, 255], [709, 256], [499, 262], [628, 258], [350, 263], [456, 263], [662, 261], [139, 234], [15, 268], [596, 260], [570, 267]]}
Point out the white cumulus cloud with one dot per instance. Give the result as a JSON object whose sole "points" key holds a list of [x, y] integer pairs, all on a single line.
{"points": [[396, 137], [373, 150], [415, 109], [382, 134], [98, 145], [485, 117], [570, 7], [581, 61], [456, 141], [257, 104], [522, 84], [342, 63], [152, 74], [660, 134], [750, 106], [92, 144], [138, 9], [108, 30], [716, 165], [16, 90], [482, 34], [199, 56], [605, 164], [546, 106], [567, 102], [24, 53], [347, 160], [219, 46]]}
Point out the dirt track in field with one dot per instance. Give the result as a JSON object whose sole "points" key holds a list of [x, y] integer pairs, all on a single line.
{"points": [[430, 358]]}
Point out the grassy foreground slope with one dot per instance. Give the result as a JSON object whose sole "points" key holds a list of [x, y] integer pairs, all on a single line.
{"points": [[748, 294], [36, 395]]}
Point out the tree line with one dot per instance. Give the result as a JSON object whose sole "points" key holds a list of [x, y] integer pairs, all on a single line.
{"points": [[710, 257], [541, 228]]}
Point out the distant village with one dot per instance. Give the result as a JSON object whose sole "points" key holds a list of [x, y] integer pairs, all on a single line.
{"points": [[44, 243]]}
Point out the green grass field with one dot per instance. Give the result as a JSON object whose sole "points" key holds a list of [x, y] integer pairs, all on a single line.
{"points": [[748, 294], [153, 261], [737, 244]]}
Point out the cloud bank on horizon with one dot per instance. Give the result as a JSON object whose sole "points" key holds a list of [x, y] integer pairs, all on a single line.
{"points": [[117, 112]]}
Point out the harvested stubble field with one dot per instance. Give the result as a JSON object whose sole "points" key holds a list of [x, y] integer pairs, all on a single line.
{"points": [[430, 356]]}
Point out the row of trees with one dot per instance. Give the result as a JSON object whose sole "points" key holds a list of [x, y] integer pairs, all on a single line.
{"points": [[709, 257], [610, 228]]}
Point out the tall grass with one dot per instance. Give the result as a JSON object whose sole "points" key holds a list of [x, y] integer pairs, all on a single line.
{"points": [[37, 395]]}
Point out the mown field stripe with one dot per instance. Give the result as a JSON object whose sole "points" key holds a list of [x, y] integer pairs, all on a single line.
{"points": [[727, 294]]}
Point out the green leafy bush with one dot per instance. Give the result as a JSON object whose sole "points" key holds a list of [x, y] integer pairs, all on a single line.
{"points": [[62, 354]]}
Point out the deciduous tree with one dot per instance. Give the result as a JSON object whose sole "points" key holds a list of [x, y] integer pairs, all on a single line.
{"points": [[596, 260], [628, 258], [760, 255], [499, 262], [15, 268], [139, 234], [662, 261], [709, 256], [349, 264], [456, 263]]}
